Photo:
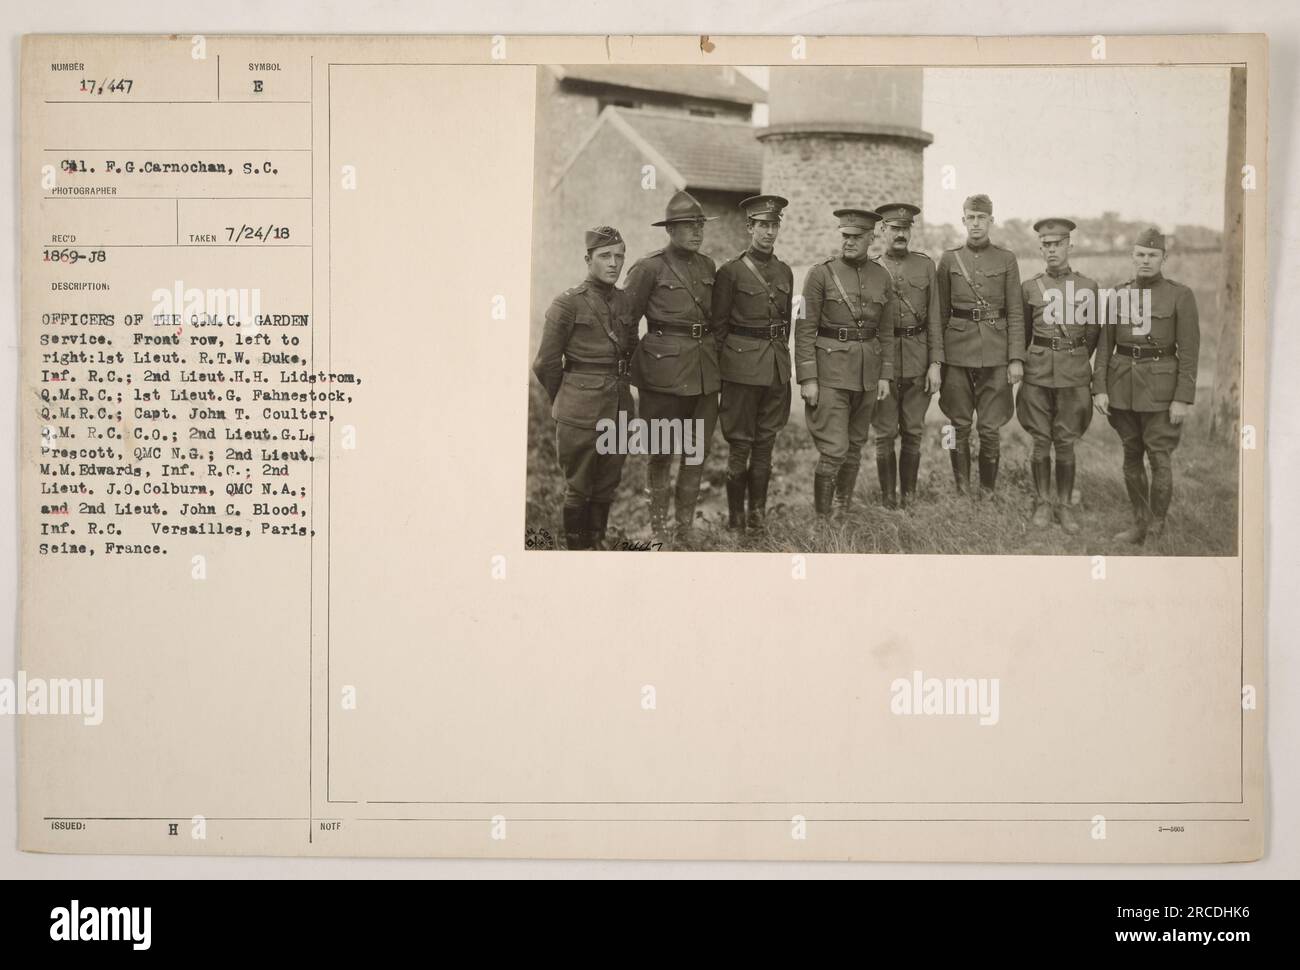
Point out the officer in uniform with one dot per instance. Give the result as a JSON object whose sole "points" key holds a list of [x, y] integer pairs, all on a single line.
{"points": [[675, 366], [844, 356], [751, 313], [1145, 379], [587, 342], [1055, 401], [918, 349], [983, 342]]}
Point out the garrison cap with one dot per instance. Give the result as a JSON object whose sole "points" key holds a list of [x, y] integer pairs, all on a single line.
{"points": [[978, 203], [1151, 238], [766, 208], [683, 207], [1054, 229], [855, 222], [602, 236], [898, 213]]}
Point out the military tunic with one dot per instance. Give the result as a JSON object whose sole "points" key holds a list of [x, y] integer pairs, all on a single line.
{"points": [[1149, 385], [675, 365], [1141, 388], [1061, 321], [846, 368], [587, 339], [756, 369], [976, 352], [917, 327], [673, 288]]}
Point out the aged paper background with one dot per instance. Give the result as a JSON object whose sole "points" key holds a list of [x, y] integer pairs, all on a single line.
{"points": [[744, 736]]}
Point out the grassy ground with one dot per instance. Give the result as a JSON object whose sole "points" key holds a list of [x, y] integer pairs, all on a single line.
{"points": [[1202, 519]]}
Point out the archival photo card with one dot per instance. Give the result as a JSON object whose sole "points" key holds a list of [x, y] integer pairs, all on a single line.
{"points": [[489, 446]]}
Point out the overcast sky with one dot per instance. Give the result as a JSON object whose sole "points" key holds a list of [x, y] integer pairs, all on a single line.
{"points": [[1147, 142]]}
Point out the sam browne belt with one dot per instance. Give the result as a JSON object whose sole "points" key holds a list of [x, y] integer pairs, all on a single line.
{"points": [[859, 334], [695, 330], [1143, 353]]}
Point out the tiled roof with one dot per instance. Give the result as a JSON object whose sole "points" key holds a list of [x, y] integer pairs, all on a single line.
{"points": [[717, 83], [708, 153]]}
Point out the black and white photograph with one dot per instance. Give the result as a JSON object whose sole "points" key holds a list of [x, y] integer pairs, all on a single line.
{"points": [[985, 310]]}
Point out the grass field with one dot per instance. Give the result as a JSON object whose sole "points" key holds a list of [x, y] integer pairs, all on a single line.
{"points": [[1202, 518]]}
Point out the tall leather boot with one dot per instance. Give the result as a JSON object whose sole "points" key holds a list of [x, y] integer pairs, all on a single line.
{"points": [[823, 494], [1162, 492], [988, 473], [887, 472], [576, 535], [597, 520], [685, 496], [1064, 488], [960, 458], [1042, 470], [758, 479], [1135, 483], [737, 485], [909, 464], [846, 480], [660, 494]]}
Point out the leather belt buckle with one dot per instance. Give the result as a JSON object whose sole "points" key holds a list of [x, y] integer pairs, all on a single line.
{"points": [[975, 314], [697, 331], [842, 334], [620, 369]]}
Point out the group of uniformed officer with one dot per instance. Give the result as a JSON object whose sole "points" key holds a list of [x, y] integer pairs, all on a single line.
{"points": [[873, 341]]}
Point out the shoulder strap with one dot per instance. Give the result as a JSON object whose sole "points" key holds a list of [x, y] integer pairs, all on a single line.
{"points": [[604, 323], [695, 299], [830, 268], [1060, 324], [771, 297], [969, 282], [898, 292]]}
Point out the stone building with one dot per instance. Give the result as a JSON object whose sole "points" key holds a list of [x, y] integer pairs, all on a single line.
{"points": [[615, 143], [837, 137]]}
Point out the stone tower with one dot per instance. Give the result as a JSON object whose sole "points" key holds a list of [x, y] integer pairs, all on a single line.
{"points": [[840, 136]]}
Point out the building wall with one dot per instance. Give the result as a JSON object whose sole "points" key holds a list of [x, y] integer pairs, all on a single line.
{"points": [[725, 237], [819, 173], [604, 187], [566, 111], [563, 119]]}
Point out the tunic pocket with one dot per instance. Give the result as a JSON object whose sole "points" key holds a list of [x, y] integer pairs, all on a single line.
{"points": [[583, 399], [659, 363], [1162, 378], [672, 298]]}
